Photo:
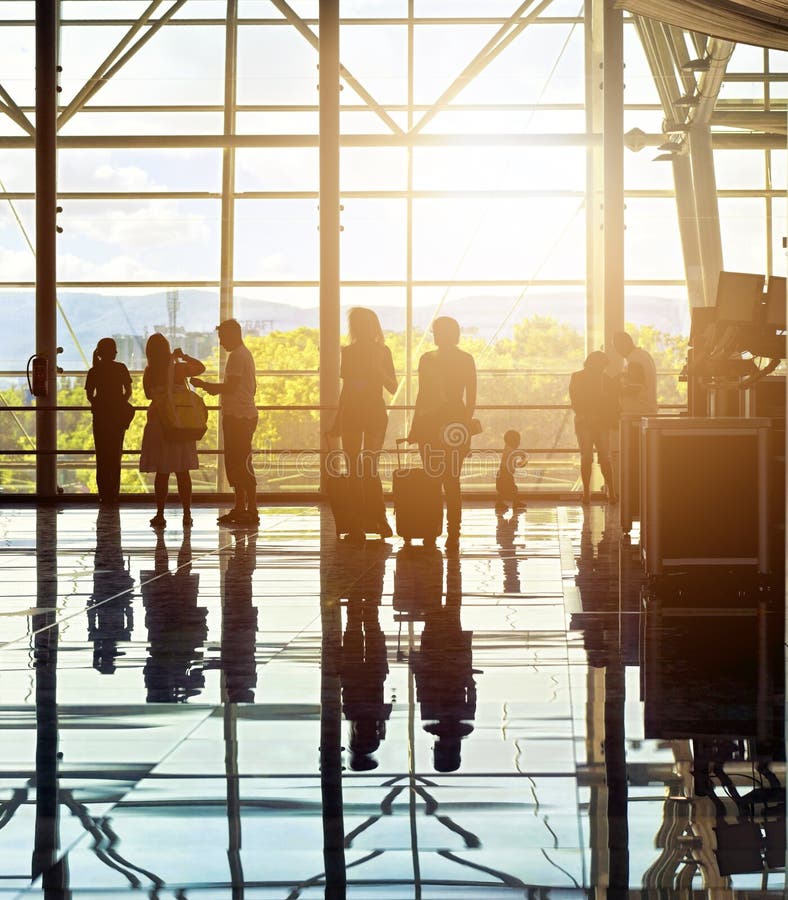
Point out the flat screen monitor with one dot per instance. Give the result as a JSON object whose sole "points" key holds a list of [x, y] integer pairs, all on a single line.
{"points": [[738, 296], [775, 302], [702, 317]]}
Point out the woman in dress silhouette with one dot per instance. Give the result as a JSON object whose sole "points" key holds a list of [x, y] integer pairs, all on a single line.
{"points": [[108, 388], [445, 404], [366, 368], [160, 454]]}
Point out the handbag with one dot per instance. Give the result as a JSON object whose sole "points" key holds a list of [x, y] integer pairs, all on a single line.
{"points": [[182, 412], [127, 412]]}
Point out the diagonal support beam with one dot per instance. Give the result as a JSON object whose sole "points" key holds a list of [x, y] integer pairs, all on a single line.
{"points": [[303, 29], [114, 62], [496, 45], [14, 113]]}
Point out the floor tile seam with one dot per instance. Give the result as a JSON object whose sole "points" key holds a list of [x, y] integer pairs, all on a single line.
{"points": [[79, 612]]}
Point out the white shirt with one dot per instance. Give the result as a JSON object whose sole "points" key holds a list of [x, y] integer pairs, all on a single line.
{"points": [[240, 402], [640, 370]]}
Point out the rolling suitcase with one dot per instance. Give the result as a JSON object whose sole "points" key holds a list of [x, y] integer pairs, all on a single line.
{"points": [[340, 498], [418, 502]]}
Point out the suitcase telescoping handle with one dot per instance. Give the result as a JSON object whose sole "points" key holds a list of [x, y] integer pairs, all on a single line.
{"points": [[400, 442]]}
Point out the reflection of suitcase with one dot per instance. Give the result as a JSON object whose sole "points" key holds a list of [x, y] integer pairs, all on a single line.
{"points": [[338, 489], [418, 502], [418, 581]]}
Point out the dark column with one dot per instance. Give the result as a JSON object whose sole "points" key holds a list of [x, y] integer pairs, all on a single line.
{"points": [[331, 720], [46, 844], [46, 251]]}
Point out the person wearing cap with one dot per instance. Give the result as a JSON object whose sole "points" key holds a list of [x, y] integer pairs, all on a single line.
{"points": [[239, 421], [593, 395]]}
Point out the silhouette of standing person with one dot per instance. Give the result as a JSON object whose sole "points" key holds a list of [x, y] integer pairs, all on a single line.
{"points": [[108, 388], [239, 422], [159, 454], [445, 404], [366, 368], [594, 398]]}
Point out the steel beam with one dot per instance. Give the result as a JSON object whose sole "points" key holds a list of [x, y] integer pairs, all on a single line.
{"points": [[227, 235], [303, 29], [595, 235], [14, 112], [46, 250], [185, 141], [613, 150], [330, 72], [514, 25], [112, 64]]}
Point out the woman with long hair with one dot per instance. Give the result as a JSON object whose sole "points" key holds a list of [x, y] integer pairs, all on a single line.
{"points": [[366, 368], [445, 404], [108, 388], [159, 454]]}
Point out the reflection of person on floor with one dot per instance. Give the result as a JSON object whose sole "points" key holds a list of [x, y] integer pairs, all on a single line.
{"points": [[593, 395], [363, 674], [110, 614], [505, 531], [239, 621], [176, 626], [364, 661], [443, 667], [597, 569]]}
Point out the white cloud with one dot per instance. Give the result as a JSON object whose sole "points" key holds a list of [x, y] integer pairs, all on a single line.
{"points": [[156, 224], [116, 268]]}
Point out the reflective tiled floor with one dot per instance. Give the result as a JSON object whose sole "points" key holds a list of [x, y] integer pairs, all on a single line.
{"points": [[221, 714]]}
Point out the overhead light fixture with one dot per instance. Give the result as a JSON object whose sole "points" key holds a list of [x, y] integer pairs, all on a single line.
{"points": [[664, 157], [703, 64], [687, 100]]}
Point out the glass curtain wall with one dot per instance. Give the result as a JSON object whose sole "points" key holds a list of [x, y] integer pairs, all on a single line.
{"points": [[463, 180]]}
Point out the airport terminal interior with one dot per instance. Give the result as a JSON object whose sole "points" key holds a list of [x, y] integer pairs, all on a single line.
{"points": [[579, 691]]}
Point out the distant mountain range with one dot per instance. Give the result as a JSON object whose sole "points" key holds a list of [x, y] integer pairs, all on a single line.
{"points": [[93, 316]]}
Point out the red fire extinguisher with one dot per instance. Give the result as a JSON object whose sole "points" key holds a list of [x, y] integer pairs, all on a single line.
{"points": [[38, 373]]}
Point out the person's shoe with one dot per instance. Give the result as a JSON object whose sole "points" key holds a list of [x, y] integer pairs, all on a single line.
{"points": [[158, 521], [231, 517], [500, 508], [452, 544], [247, 519], [612, 499], [253, 516]]}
